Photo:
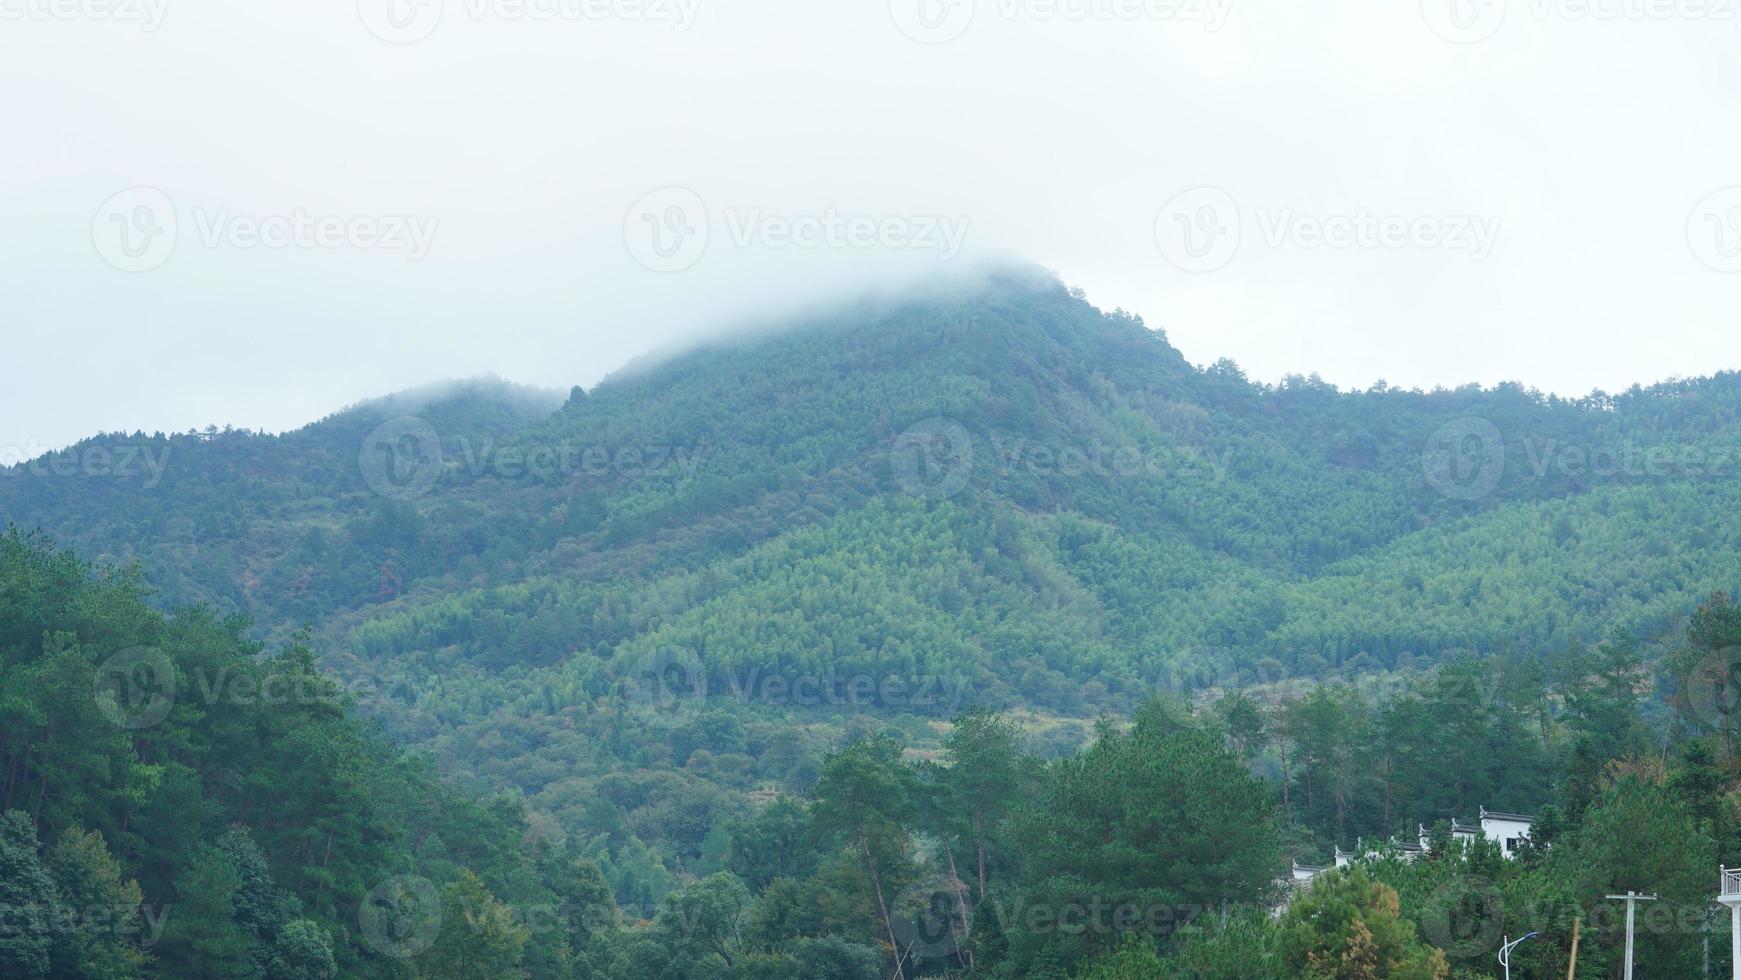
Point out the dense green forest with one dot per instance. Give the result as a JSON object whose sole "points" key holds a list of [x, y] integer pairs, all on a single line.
{"points": [[180, 802], [755, 659]]}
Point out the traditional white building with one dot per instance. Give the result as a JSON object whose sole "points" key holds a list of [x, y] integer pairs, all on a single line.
{"points": [[1729, 894], [1460, 830], [1508, 830]]}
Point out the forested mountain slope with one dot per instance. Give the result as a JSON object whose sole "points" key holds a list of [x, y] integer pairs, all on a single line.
{"points": [[611, 604], [1000, 482]]}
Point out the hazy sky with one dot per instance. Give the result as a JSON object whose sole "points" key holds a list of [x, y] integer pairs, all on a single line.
{"points": [[258, 212]]}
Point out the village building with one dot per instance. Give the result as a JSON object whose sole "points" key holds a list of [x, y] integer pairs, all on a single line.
{"points": [[1508, 830]]}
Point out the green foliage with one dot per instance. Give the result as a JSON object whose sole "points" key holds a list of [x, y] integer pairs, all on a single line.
{"points": [[1133, 960], [1376, 654], [1133, 835], [1349, 927], [302, 951], [212, 811], [92, 885], [1638, 837], [204, 938], [1240, 948], [705, 919], [772, 843], [480, 937], [27, 896]]}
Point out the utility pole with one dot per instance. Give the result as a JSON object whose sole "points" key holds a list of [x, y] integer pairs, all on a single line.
{"points": [[1631, 898]]}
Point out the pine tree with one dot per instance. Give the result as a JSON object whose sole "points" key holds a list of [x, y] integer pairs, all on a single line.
{"points": [[302, 951], [1349, 927], [480, 938], [203, 938], [91, 883], [29, 902]]}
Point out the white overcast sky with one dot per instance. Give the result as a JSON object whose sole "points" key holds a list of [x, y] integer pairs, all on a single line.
{"points": [[1594, 142]]}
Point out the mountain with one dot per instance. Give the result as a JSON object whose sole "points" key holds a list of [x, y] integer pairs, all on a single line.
{"points": [[997, 492], [1109, 505]]}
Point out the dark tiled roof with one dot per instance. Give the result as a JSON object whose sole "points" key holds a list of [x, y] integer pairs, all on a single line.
{"points": [[1498, 815]]}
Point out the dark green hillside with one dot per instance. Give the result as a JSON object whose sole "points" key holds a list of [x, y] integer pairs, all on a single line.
{"points": [[210, 515], [1105, 513]]}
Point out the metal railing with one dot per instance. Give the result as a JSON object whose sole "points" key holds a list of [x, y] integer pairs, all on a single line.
{"points": [[1731, 883]]}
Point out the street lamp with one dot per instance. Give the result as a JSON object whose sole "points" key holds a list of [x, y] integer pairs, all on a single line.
{"points": [[1505, 951]]}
